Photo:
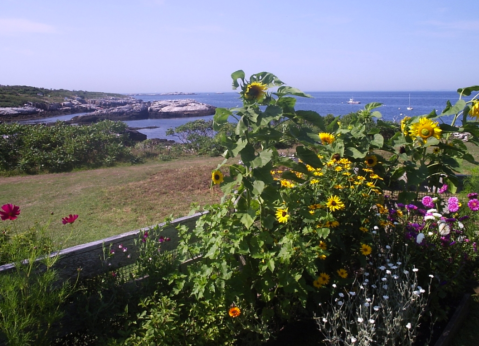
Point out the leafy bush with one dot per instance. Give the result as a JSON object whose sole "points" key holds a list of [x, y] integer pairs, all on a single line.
{"points": [[60, 148]]}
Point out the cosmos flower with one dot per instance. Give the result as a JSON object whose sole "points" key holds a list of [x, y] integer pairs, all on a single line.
{"points": [[69, 219], [473, 204], [9, 212]]}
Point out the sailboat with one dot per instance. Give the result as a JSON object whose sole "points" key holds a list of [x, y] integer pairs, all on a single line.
{"points": [[410, 108]]}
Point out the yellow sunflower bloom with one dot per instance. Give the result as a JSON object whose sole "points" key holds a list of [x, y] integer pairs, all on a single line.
{"points": [[334, 224], [322, 257], [314, 181], [326, 138], [363, 229], [342, 273], [323, 279], [334, 203], [323, 245], [371, 160], [282, 215], [370, 184], [474, 112], [366, 249], [217, 177], [425, 128], [255, 91], [317, 284]]}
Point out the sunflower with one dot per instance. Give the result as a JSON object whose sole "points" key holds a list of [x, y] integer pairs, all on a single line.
{"points": [[322, 257], [436, 150], [363, 229], [371, 160], [255, 91], [366, 249], [217, 177], [323, 279], [282, 215], [474, 112], [317, 284], [343, 273], [404, 124], [334, 203], [234, 312], [425, 128], [326, 138], [323, 245], [334, 224]]}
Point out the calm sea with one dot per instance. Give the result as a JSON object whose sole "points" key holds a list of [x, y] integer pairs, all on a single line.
{"points": [[393, 108]]}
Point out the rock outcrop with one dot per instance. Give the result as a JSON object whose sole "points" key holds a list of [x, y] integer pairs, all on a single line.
{"points": [[109, 108], [179, 109]]}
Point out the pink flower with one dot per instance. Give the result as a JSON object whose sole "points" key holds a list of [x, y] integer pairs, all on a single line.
{"points": [[473, 204], [10, 212], [427, 202], [453, 204], [69, 219], [443, 188]]}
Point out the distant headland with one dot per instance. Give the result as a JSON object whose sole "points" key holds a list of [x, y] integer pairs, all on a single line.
{"points": [[161, 94], [18, 103]]}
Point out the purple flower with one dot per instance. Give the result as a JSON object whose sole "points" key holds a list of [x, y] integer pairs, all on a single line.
{"points": [[451, 219], [411, 207], [162, 239], [465, 217], [472, 195], [421, 212], [473, 204], [400, 205], [443, 188], [427, 202]]}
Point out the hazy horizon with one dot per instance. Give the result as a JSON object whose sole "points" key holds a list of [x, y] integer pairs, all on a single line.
{"points": [[159, 46]]}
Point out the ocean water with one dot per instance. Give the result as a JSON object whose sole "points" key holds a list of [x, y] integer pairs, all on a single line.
{"points": [[393, 107]]}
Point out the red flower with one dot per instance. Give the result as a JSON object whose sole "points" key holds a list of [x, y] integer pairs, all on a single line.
{"points": [[10, 212], [69, 219]]}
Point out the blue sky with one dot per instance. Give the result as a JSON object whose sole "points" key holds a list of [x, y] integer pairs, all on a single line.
{"points": [[194, 46]]}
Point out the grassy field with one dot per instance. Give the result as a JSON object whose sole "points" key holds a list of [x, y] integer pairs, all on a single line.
{"points": [[110, 201]]}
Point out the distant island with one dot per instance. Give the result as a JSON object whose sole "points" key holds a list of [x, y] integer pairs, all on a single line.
{"points": [[161, 94], [19, 103]]}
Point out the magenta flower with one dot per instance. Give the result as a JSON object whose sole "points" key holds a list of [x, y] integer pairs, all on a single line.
{"points": [[427, 202], [10, 212], [453, 204], [69, 219], [473, 204], [472, 195], [443, 188]]}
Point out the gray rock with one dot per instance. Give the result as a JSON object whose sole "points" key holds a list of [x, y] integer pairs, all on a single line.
{"points": [[179, 109]]}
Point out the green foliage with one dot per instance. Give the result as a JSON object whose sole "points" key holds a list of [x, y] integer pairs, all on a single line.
{"points": [[31, 297], [18, 95], [200, 137], [60, 148]]}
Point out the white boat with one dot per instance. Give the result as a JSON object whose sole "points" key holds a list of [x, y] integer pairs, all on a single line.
{"points": [[409, 108], [352, 102]]}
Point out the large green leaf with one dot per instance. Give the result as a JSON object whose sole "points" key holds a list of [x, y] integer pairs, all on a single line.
{"points": [[459, 106], [247, 154], [312, 117], [235, 76], [240, 144], [263, 158], [355, 153], [270, 194], [258, 187], [221, 116], [286, 90], [264, 173], [376, 114], [467, 91], [247, 219], [308, 157], [287, 103], [378, 141]]}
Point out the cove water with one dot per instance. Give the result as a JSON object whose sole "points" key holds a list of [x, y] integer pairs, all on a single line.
{"points": [[394, 106]]}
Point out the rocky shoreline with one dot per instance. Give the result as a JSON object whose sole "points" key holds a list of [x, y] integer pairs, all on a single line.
{"points": [[111, 108]]}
